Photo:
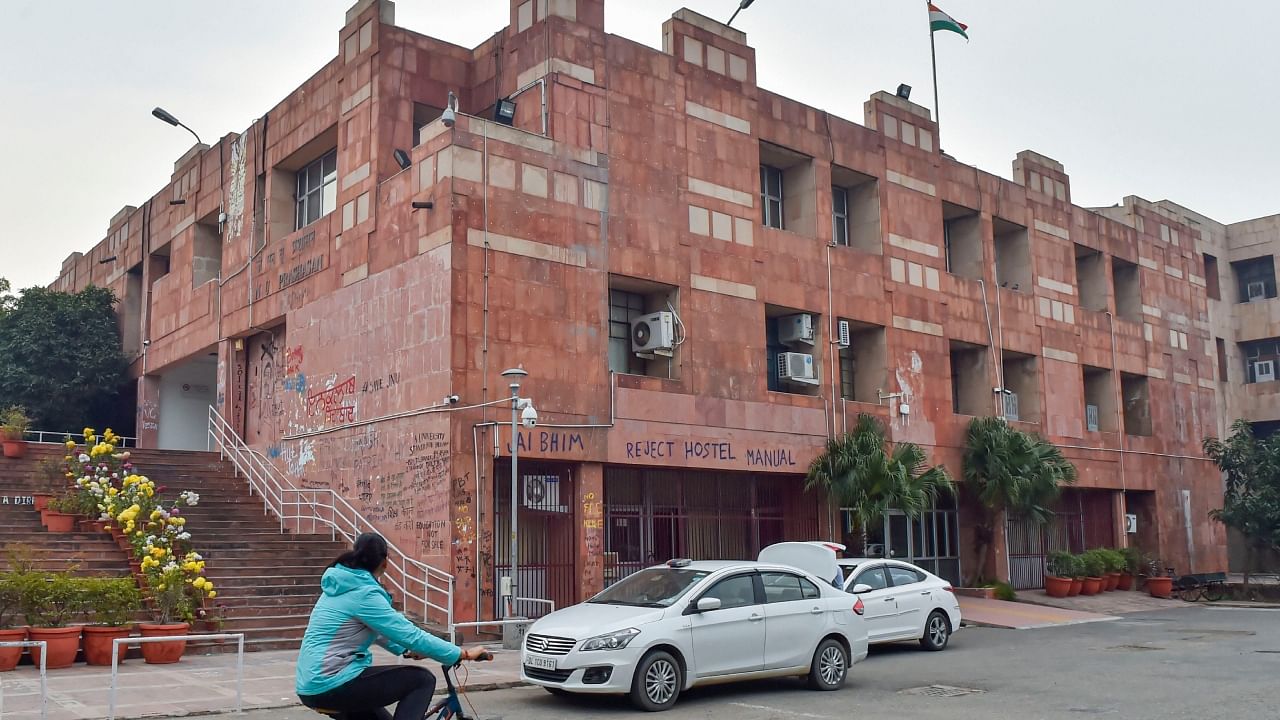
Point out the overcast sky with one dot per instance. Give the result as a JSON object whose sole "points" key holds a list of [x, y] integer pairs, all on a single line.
{"points": [[1177, 99]]}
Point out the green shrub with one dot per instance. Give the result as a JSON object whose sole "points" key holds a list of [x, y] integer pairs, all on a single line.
{"points": [[1094, 563], [1004, 591], [1062, 564], [1132, 560], [10, 599], [112, 601], [50, 600]]}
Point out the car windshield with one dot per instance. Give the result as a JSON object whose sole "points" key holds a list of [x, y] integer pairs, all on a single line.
{"points": [[655, 587]]}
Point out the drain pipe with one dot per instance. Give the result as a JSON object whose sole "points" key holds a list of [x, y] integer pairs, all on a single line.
{"points": [[991, 342], [834, 371]]}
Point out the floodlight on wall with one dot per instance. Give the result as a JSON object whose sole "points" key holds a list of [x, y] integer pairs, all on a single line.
{"points": [[423, 204], [904, 91], [505, 111], [106, 260], [741, 6], [179, 201], [402, 159]]}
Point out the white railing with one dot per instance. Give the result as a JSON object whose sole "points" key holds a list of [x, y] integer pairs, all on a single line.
{"points": [[126, 641], [58, 438], [44, 673], [420, 585]]}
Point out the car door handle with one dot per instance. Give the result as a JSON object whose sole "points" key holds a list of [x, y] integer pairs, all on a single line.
{"points": [[927, 592], [756, 618], [816, 611], [890, 599]]}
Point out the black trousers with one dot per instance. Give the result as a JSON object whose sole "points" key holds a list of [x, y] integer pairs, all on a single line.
{"points": [[367, 696]]}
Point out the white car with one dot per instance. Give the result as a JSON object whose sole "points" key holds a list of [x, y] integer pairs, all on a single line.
{"points": [[668, 628], [902, 601]]}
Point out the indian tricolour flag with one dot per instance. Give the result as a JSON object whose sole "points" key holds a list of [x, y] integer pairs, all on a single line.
{"points": [[939, 20]]}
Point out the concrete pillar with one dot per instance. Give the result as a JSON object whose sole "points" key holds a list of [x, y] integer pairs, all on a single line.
{"points": [[590, 529], [1118, 509]]}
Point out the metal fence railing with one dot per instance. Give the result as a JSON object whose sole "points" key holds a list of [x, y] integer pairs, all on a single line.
{"points": [[115, 661], [58, 438], [427, 592], [44, 676]]}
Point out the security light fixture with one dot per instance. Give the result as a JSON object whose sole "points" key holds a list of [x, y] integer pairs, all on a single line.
{"points": [[179, 201], [402, 159], [450, 115], [741, 6], [162, 114], [106, 260], [423, 204], [505, 111], [904, 91]]}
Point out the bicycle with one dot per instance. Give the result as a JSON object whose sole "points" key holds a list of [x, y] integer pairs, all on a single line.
{"points": [[447, 708]]}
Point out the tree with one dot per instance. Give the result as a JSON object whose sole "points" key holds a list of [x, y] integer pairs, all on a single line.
{"points": [[6, 300], [1012, 473], [60, 355], [863, 471], [1251, 501]]}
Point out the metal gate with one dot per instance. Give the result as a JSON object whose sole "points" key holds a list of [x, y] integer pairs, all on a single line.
{"points": [[1029, 544], [547, 569]]}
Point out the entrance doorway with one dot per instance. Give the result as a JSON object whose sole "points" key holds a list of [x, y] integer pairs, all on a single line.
{"points": [[931, 541], [546, 568], [186, 393]]}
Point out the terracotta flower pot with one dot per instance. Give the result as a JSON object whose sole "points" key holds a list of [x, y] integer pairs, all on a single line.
{"points": [[64, 643], [1126, 582], [1057, 587], [1092, 586], [97, 643], [59, 522], [9, 656], [1161, 587], [1077, 585], [15, 449], [163, 653], [1113, 581], [41, 500]]}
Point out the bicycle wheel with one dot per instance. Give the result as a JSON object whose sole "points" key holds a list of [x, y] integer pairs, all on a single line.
{"points": [[1215, 593]]}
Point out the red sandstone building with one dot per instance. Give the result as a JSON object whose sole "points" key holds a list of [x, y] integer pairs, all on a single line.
{"points": [[797, 269]]}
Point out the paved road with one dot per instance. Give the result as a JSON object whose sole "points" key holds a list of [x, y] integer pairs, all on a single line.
{"points": [[1185, 663]]}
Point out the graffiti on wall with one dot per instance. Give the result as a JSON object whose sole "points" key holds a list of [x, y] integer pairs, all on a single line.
{"points": [[236, 187], [148, 415], [332, 402]]}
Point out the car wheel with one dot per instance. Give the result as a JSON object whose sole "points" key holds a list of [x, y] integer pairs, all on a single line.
{"points": [[937, 632], [657, 682], [830, 666]]}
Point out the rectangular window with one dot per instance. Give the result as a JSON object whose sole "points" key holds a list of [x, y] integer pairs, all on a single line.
{"points": [[1262, 360], [846, 374], [962, 241], [862, 363], [1211, 282], [771, 196], [1256, 279], [1099, 399], [840, 215], [1013, 256], [1021, 387], [1091, 278], [623, 308], [970, 387], [1136, 396], [1128, 289], [1222, 359], [317, 189]]}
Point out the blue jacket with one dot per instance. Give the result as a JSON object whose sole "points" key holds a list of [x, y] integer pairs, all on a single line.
{"points": [[353, 613]]}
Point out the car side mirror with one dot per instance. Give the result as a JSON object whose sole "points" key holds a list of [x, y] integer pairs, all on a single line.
{"points": [[861, 588], [708, 604]]}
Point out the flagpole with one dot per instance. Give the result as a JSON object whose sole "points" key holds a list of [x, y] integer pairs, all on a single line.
{"points": [[933, 55]]}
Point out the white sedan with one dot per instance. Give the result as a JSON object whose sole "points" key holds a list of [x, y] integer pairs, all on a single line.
{"points": [[671, 627], [903, 602]]}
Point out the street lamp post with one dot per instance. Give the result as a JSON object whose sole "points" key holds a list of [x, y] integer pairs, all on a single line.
{"points": [[162, 114], [515, 374]]}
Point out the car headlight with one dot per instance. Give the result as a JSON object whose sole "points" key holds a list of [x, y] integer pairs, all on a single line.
{"points": [[612, 641]]}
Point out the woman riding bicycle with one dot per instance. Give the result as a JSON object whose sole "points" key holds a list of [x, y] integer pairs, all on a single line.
{"points": [[335, 671]]}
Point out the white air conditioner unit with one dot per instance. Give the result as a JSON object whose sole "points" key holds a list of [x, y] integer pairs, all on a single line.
{"points": [[1091, 417], [542, 492], [843, 333], [654, 334], [1257, 291], [1010, 406], [1264, 370], [796, 329], [797, 368]]}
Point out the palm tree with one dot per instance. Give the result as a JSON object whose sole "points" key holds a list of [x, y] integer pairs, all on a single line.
{"points": [[1012, 473], [863, 471]]}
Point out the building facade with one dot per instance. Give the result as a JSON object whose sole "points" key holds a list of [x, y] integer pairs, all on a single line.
{"points": [[704, 281]]}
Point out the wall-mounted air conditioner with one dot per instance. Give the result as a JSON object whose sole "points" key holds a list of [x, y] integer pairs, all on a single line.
{"points": [[1010, 406], [654, 334], [1091, 417], [843, 334], [542, 492], [797, 368], [796, 329], [1264, 370], [1257, 291]]}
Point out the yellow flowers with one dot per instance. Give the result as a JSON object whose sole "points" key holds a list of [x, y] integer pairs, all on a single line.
{"points": [[202, 585], [213, 594], [71, 445]]}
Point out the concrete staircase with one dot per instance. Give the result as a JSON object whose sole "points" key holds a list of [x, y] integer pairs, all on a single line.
{"points": [[267, 580]]}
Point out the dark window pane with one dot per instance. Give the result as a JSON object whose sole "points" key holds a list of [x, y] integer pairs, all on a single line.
{"points": [[874, 577], [781, 587], [734, 592]]}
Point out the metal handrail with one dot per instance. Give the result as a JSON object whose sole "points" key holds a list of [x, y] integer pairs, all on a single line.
{"points": [[59, 438], [116, 644], [325, 507], [44, 672]]}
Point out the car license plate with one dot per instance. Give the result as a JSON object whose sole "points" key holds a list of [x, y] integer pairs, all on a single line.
{"points": [[540, 663]]}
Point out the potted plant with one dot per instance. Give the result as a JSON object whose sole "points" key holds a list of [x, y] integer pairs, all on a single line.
{"points": [[50, 479], [1094, 568], [1115, 563], [1159, 584], [1057, 582], [173, 609], [211, 620], [1077, 575], [113, 603], [13, 429], [50, 601], [10, 605], [1132, 566], [60, 515]]}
